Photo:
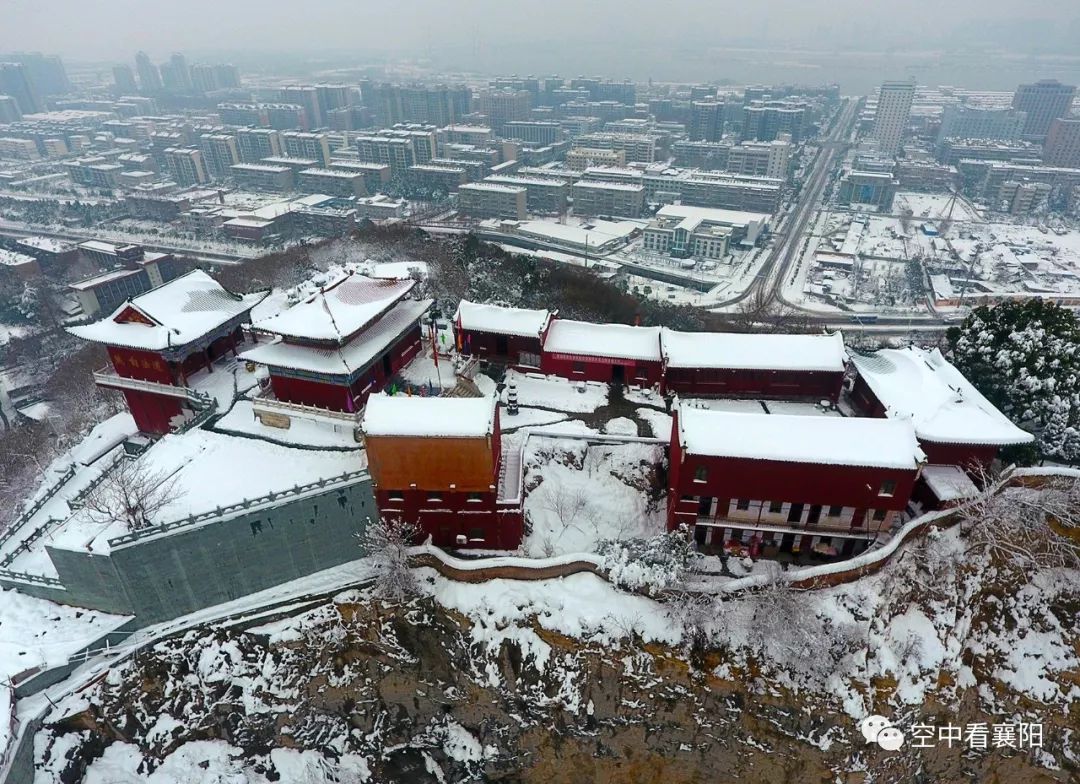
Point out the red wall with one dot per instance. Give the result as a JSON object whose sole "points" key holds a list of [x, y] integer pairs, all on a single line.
{"points": [[967, 456], [453, 514], [865, 399], [600, 369], [152, 413], [768, 480], [336, 396], [763, 383], [145, 365], [310, 393]]}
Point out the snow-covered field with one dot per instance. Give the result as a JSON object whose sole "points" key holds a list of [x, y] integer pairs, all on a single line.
{"points": [[35, 633], [556, 393], [580, 494]]}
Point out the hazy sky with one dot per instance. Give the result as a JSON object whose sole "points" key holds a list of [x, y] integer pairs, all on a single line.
{"points": [[113, 29]]}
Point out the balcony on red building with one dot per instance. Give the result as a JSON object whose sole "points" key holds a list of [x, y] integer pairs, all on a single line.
{"points": [[337, 346], [616, 353], [513, 336], [438, 463], [788, 483], [780, 367], [158, 341], [955, 424]]}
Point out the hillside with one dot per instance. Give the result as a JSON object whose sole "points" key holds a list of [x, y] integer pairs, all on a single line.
{"points": [[572, 680]]}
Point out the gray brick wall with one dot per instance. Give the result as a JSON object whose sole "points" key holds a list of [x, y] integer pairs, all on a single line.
{"points": [[170, 575]]}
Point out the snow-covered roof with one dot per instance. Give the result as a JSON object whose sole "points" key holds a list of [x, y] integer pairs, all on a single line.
{"points": [[173, 314], [355, 355], [949, 483], [603, 340], [12, 259], [436, 417], [848, 441], [920, 385], [501, 320], [338, 311], [738, 351]]}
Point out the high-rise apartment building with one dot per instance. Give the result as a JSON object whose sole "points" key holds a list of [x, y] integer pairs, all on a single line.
{"points": [[760, 159], [315, 146], [893, 114], [185, 165], [255, 144], [308, 97], [706, 121], [978, 122], [286, 116], [503, 106], [45, 73], [175, 74], [431, 104], [393, 151], [9, 109], [1062, 146], [149, 77], [220, 151], [124, 80], [15, 82], [765, 122], [1044, 101]]}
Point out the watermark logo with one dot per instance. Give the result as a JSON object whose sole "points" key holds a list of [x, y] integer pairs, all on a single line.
{"points": [[878, 729], [975, 735]]}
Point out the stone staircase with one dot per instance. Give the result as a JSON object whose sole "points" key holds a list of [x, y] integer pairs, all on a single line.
{"points": [[465, 387]]}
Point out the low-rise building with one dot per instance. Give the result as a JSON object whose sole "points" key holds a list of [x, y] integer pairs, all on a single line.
{"points": [[581, 158], [772, 366], [611, 353], [437, 463], [333, 182], [954, 422], [513, 336], [263, 176], [861, 187], [608, 198], [701, 232], [543, 195], [774, 483], [380, 207], [437, 177], [492, 200]]}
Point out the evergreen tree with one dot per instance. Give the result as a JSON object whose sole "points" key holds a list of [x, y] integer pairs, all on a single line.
{"points": [[1025, 358]]}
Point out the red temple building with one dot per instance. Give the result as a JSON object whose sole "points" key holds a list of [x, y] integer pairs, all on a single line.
{"points": [[514, 336], [616, 353], [955, 424], [438, 463], [788, 483], [728, 364], [159, 341], [340, 344]]}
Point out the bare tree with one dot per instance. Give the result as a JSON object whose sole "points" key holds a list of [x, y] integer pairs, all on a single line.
{"points": [[131, 492], [696, 614], [1026, 527], [386, 543]]}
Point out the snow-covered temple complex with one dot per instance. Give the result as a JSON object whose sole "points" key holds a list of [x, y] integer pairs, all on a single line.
{"points": [[340, 344], [160, 341]]}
